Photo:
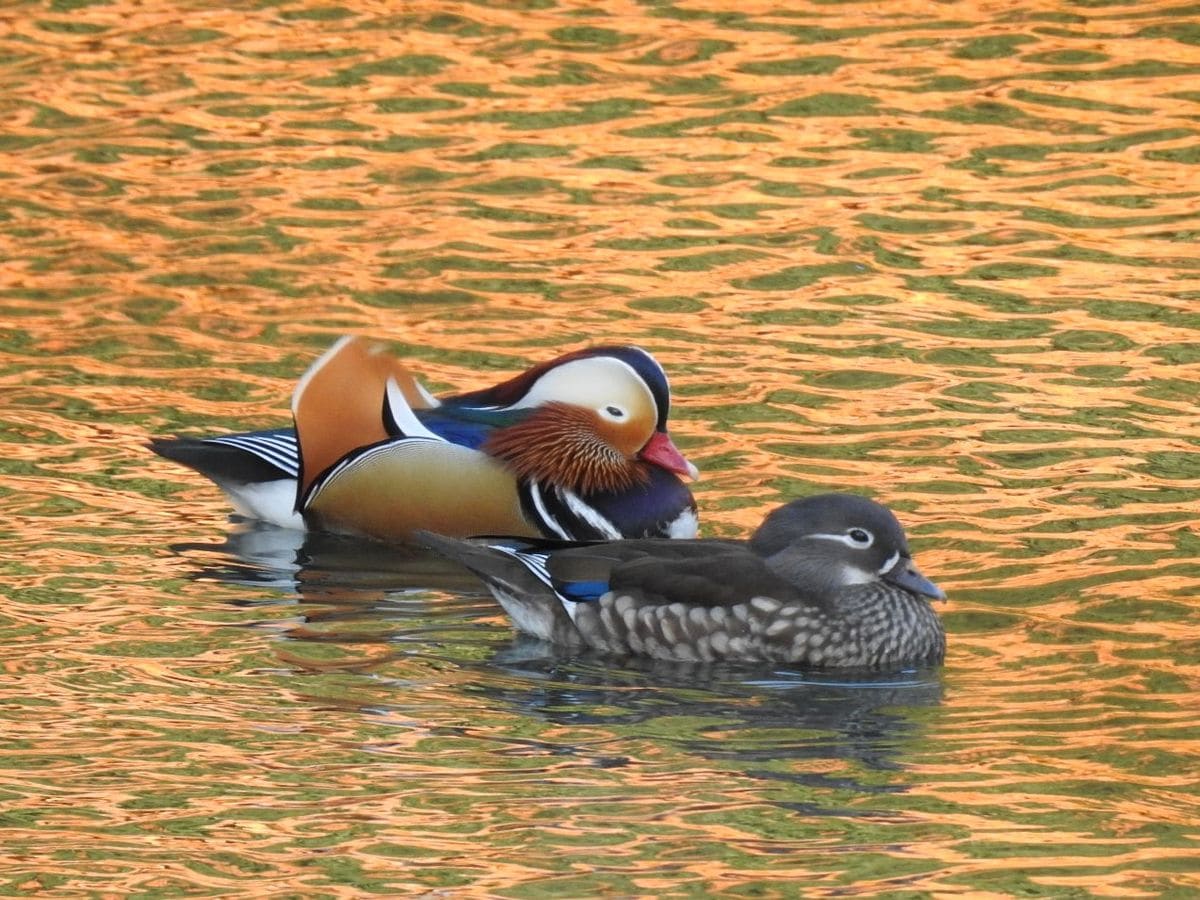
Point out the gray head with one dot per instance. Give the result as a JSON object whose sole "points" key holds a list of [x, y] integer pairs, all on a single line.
{"points": [[828, 542]]}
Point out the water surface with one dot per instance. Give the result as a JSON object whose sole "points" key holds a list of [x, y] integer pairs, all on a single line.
{"points": [[941, 254]]}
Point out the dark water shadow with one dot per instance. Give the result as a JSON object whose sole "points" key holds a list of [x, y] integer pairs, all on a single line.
{"points": [[316, 565], [859, 714]]}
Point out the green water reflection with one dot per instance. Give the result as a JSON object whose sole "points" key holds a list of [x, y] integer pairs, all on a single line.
{"points": [[938, 255]]}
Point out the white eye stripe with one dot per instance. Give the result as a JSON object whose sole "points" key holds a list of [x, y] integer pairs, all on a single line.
{"points": [[846, 539], [839, 538]]}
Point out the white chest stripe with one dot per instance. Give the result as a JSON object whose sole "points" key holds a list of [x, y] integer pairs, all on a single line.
{"points": [[589, 515], [535, 494]]}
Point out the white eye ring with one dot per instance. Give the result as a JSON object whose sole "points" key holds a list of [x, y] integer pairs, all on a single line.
{"points": [[613, 413], [860, 537]]}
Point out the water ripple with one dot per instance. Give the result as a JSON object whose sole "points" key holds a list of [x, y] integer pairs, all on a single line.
{"points": [[940, 256]]}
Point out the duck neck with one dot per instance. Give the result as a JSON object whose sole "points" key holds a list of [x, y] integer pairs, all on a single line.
{"points": [[893, 624]]}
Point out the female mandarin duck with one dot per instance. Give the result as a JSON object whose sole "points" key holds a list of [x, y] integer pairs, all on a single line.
{"points": [[824, 581], [574, 449]]}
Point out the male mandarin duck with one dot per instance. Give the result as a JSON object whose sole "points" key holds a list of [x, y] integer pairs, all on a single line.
{"points": [[824, 581], [575, 448]]}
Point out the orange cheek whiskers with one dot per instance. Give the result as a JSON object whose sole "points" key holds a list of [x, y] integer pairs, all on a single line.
{"points": [[561, 444]]}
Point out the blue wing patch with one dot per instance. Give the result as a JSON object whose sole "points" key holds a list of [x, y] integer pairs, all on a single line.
{"points": [[583, 591]]}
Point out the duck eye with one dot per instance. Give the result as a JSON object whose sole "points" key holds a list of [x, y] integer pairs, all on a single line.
{"points": [[615, 412], [860, 536]]}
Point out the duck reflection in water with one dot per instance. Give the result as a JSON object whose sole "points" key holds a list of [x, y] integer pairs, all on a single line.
{"points": [[256, 554], [737, 711]]}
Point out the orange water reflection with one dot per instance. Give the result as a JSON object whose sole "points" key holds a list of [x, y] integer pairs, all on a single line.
{"points": [[939, 254]]}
